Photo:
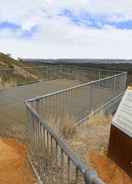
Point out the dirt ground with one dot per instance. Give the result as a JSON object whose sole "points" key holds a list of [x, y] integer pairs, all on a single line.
{"points": [[92, 146], [14, 167], [108, 170]]}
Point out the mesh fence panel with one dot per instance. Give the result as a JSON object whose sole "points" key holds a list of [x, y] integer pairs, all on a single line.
{"points": [[80, 101], [50, 155]]}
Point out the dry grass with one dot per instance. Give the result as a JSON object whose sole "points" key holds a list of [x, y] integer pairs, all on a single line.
{"points": [[64, 127], [68, 128], [90, 141], [92, 135], [99, 119]]}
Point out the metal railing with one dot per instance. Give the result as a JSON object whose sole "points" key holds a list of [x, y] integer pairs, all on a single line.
{"points": [[80, 101], [30, 74], [72, 72], [52, 158]]}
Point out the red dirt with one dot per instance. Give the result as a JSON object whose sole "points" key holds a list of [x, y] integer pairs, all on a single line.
{"points": [[14, 168], [108, 170]]}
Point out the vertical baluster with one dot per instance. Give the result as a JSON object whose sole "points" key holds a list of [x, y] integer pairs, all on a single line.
{"points": [[30, 129], [62, 166], [46, 109], [51, 145], [36, 135], [56, 109], [68, 170], [41, 148], [76, 175], [34, 124], [91, 97], [47, 142], [70, 104], [46, 151], [44, 140], [56, 154]]}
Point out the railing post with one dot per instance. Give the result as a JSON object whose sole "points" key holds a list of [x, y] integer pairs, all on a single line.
{"points": [[126, 79], [91, 177], [90, 98], [42, 132], [38, 106]]}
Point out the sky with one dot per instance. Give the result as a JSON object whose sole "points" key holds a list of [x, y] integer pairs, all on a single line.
{"points": [[66, 28]]}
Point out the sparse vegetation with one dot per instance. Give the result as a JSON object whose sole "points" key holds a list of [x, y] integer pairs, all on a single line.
{"points": [[13, 72], [91, 136], [64, 128], [84, 139], [91, 141], [88, 136]]}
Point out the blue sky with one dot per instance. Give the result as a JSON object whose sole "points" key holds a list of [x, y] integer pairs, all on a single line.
{"points": [[9, 25], [97, 21], [66, 28], [15, 28]]}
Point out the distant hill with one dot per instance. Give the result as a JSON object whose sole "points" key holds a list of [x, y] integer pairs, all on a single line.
{"points": [[77, 61]]}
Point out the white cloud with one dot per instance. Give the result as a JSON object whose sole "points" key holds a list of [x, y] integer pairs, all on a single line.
{"points": [[58, 37]]}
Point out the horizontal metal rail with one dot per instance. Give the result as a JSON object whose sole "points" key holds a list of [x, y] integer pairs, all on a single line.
{"points": [[80, 67], [102, 107], [74, 87], [90, 176], [46, 142]]}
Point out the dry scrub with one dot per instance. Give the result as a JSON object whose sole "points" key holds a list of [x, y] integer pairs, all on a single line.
{"points": [[63, 127], [92, 135], [90, 140]]}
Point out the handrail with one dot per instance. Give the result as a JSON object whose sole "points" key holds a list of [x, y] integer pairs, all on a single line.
{"points": [[74, 87], [91, 176]]}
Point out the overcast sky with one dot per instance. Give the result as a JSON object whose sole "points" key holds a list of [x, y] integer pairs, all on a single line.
{"points": [[66, 28]]}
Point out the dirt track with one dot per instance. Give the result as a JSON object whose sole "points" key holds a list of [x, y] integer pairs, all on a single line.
{"points": [[14, 167]]}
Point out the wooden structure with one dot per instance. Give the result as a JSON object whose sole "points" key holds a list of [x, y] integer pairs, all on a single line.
{"points": [[120, 145]]}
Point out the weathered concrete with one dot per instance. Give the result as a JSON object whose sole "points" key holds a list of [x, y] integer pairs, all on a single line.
{"points": [[12, 109]]}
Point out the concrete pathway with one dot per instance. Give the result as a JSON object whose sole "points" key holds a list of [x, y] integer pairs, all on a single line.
{"points": [[12, 109]]}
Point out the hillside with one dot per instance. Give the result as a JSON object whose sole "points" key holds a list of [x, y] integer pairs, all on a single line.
{"points": [[7, 61], [13, 72]]}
